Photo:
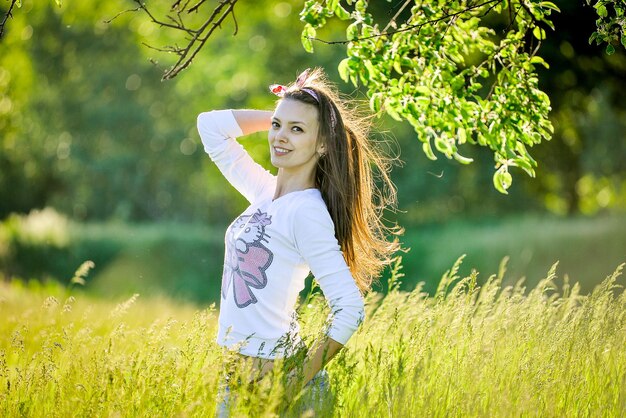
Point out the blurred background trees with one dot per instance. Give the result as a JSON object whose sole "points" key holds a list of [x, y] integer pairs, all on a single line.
{"points": [[88, 128]]}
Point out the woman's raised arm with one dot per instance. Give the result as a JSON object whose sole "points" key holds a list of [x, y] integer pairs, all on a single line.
{"points": [[251, 121], [218, 130]]}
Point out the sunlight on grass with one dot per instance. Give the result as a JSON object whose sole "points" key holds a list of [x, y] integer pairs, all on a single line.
{"points": [[468, 351]]}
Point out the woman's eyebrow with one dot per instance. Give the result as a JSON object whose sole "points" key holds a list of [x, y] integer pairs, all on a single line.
{"points": [[292, 122]]}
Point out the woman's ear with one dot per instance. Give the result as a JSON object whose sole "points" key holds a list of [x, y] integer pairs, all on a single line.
{"points": [[321, 149]]}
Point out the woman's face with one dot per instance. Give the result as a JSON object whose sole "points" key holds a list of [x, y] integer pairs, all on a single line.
{"points": [[293, 137]]}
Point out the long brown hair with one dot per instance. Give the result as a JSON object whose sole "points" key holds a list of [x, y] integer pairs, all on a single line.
{"points": [[346, 175]]}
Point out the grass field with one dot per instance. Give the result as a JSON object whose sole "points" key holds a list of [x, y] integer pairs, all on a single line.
{"points": [[467, 351]]}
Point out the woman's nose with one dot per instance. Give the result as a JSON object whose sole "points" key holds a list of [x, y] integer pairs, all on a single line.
{"points": [[280, 135]]}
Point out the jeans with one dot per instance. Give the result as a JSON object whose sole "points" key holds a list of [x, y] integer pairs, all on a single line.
{"points": [[316, 392]]}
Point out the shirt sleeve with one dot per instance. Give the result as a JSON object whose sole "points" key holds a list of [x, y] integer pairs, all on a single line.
{"points": [[316, 242], [218, 130]]}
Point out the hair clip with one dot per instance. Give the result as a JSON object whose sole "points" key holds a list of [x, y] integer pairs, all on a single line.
{"points": [[278, 89], [302, 78]]}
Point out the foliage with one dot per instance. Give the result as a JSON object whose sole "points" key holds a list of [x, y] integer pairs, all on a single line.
{"points": [[611, 23], [86, 126], [79, 121], [468, 351], [430, 68]]}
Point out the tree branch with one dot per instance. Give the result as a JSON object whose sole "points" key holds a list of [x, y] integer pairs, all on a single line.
{"points": [[121, 13], [189, 53], [6, 16], [512, 19], [196, 6], [142, 6], [410, 27], [392, 22], [177, 19]]}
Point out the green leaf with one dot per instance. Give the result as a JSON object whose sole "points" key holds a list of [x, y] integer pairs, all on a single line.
{"points": [[423, 90], [462, 159], [539, 33], [624, 39], [368, 31], [342, 13], [538, 60], [373, 72], [610, 49], [443, 146], [507, 179], [601, 9], [415, 123], [549, 5], [549, 23], [397, 66], [462, 135], [307, 33], [525, 165], [352, 31], [457, 82], [375, 102], [428, 151], [502, 180], [393, 113], [361, 6], [344, 69], [335, 7], [310, 16]]}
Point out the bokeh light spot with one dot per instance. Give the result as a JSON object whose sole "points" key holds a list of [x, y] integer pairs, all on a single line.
{"points": [[187, 146], [133, 82], [282, 9]]}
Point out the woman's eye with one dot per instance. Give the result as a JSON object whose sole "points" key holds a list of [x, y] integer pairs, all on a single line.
{"points": [[297, 129], [275, 125]]}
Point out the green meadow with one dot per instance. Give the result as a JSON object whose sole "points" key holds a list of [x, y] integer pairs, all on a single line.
{"points": [[467, 350]]}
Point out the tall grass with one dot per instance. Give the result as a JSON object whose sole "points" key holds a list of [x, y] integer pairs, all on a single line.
{"points": [[492, 350]]}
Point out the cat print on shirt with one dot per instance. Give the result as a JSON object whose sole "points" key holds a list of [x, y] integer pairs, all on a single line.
{"points": [[247, 258]]}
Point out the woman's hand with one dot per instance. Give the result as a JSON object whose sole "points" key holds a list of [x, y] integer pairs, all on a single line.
{"points": [[317, 357], [260, 367]]}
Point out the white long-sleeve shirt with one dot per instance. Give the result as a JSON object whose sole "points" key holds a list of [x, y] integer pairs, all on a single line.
{"points": [[270, 249]]}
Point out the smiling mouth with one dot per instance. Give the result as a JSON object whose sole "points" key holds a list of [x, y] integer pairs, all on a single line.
{"points": [[281, 151]]}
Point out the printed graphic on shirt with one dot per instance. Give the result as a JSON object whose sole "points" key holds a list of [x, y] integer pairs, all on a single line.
{"points": [[247, 258]]}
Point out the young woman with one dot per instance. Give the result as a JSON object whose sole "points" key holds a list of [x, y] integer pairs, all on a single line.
{"points": [[320, 213]]}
